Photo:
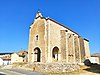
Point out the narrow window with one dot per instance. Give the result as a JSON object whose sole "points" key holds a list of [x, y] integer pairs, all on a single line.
{"points": [[36, 37]]}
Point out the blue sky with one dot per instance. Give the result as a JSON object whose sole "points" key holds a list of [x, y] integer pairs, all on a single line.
{"points": [[82, 16]]}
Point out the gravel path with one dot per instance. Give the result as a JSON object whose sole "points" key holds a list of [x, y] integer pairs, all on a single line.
{"points": [[18, 72], [26, 72]]}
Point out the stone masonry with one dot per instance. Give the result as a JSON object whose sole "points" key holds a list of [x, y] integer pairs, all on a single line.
{"points": [[50, 41]]}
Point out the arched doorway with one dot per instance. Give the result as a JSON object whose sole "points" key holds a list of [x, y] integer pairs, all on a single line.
{"points": [[55, 53], [37, 54]]}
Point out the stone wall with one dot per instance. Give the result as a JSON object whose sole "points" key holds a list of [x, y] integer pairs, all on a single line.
{"points": [[87, 49], [71, 48], [37, 29], [63, 44], [53, 67], [82, 49], [77, 52]]}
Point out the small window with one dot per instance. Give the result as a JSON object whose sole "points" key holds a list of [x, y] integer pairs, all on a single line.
{"points": [[36, 37]]}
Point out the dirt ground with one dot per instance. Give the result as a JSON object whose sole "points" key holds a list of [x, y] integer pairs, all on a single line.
{"points": [[85, 70]]}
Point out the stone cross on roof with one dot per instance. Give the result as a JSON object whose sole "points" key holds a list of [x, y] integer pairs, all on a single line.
{"points": [[38, 14]]}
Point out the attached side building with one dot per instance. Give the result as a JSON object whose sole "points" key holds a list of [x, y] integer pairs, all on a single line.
{"points": [[21, 56]]}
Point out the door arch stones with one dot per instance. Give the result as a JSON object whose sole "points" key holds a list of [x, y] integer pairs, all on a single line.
{"points": [[55, 53], [37, 55]]}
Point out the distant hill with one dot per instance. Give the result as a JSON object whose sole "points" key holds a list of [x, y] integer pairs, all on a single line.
{"points": [[95, 54]]}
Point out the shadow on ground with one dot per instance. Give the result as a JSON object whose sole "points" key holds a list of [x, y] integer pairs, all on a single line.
{"points": [[2, 74], [95, 68]]}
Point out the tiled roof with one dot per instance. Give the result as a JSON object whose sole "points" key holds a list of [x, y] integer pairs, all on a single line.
{"points": [[21, 53], [4, 58]]}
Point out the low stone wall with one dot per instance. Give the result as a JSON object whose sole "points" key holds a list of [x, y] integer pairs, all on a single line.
{"points": [[53, 67]]}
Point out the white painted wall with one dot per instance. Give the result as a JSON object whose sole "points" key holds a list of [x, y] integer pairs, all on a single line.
{"points": [[1, 61], [4, 62], [15, 58], [94, 60]]}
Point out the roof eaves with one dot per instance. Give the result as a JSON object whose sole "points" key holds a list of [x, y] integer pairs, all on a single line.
{"points": [[86, 39]]}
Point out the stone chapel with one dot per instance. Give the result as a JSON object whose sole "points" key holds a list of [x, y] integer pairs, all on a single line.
{"points": [[50, 41]]}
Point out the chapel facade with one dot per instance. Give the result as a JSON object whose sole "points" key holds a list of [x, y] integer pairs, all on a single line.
{"points": [[50, 41]]}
